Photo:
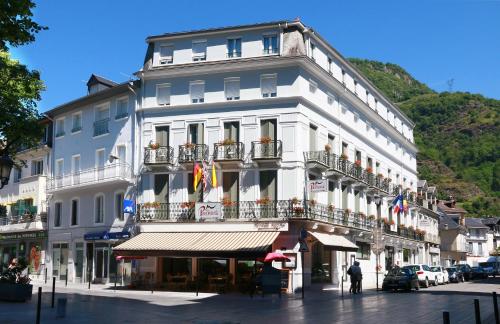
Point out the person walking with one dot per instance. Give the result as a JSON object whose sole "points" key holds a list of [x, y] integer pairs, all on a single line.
{"points": [[354, 272]]}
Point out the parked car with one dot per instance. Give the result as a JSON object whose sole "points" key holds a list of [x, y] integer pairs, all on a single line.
{"points": [[443, 277], [401, 278], [466, 270], [478, 273], [491, 268], [425, 274], [455, 274]]}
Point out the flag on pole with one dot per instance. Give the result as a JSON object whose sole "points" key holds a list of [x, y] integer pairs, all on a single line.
{"points": [[405, 205], [397, 203], [204, 175], [197, 172], [214, 176]]}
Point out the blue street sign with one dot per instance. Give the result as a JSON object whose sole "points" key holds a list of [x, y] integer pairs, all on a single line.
{"points": [[303, 234], [129, 206]]}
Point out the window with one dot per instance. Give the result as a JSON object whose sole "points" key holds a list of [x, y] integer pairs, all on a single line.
{"points": [[355, 87], [36, 167], [270, 43], [163, 94], [313, 47], [406, 255], [367, 97], [313, 86], [234, 47], [232, 88], [77, 123], [101, 124], [363, 251], [57, 214], [268, 184], [357, 201], [197, 91], [331, 141], [99, 209], [75, 169], [479, 248], [60, 127], [330, 99], [330, 62], [74, 212], [121, 108], [343, 77], [195, 134], [119, 206], [17, 174], [199, 50], [268, 85], [345, 149], [344, 197], [166, 54]]}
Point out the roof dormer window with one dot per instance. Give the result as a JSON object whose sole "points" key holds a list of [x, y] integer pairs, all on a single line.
{"points": [[166, 54], [199, 50]]}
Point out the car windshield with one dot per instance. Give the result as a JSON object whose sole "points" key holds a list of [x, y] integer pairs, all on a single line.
{"points": [[399, 272], [413, 267], [451, 270], [486, 264], [435, 269]]}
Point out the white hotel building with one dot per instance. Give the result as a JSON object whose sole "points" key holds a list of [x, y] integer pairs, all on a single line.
{"points": [[271, 105]]}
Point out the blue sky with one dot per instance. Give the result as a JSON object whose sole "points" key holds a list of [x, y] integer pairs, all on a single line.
{"points": [[435, 40]]}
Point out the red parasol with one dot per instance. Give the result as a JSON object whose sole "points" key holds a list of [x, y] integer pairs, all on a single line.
{"points": [[275, 256]]}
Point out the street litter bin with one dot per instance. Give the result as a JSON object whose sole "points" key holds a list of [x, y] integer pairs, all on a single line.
{"points": [[61, 307]]}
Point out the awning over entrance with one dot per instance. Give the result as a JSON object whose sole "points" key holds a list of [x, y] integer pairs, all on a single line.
{"points": [[223, 244], [335, 242]]}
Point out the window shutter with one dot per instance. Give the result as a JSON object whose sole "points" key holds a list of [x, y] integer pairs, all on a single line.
{"points": [[163, 96], [268, 84], [233, 88], [166, 51], [197, 90], [199, 49]]}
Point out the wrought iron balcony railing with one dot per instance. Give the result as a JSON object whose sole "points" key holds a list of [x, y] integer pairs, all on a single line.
{"points": [[101, 127], [266, 150], [228, 152], [160, 155], [193, 152], [22, 219]]}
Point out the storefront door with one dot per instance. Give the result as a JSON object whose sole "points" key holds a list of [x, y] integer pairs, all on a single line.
{"points": [[389, 257], [321, 263], [101, 262], [79, 262], [60, 260]]}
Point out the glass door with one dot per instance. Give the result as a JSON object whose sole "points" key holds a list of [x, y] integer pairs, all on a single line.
{"points": [[79, 262], [101, 262]]}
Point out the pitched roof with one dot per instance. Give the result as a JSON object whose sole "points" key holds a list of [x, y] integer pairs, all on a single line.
{"points": [[474, 223], [491, 220], [99, 79], [447, 222], [450, 210]]}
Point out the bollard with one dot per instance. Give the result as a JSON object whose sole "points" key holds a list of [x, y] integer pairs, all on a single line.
{"points": [[152, 282], [495, 308], [53, 290], [342, 286], [89, 278], [66, 277], [38, 306], [45, 275], [61, 307], [477, 311], [197, 285], [116, 276], [446, 317]]}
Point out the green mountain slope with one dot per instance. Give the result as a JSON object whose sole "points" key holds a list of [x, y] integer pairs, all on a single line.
{"points": [[457, 135]]}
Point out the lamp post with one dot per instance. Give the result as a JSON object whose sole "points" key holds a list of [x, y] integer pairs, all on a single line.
{"points": [[377, 245], [6, 164]]}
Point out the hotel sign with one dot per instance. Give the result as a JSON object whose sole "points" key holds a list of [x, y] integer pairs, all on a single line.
{"points": [[320, 185], [207, 211], [23, 236]]}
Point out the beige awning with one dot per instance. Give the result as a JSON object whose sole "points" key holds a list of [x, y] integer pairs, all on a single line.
{"points": [[335, 242], [226, 244]]}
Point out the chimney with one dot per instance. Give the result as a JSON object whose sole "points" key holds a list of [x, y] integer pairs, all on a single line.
{"points": [[462, 219]]}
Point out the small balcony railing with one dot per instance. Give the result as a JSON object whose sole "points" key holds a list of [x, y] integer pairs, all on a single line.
{"points": [[193, 152], [112, 172], [234, 54], [322, 157], [266, 150], [160, 155], [229, 151], [101, 127], [273, 50], [24, 218]]}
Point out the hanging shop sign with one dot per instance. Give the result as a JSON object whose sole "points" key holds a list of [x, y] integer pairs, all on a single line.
{"points": [[207, 211], [105, 235], [320, 185], [129, 206]]}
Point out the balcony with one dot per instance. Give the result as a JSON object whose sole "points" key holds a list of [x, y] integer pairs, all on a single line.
{"points": [[404, 232], [101, 127], [377, 184], [267, 153], [118, 172], [229, 154], [163, 155], [318, 161], [190, 153], [29, 220], [256, 210]]}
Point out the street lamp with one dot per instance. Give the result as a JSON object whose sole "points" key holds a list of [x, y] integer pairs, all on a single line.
{"points": [[377, 245], [6, 164]]}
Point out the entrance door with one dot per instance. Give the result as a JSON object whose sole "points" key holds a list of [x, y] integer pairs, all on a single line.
{"points": [[101, 262], [79, 262], [230, 186], [60, 260]]}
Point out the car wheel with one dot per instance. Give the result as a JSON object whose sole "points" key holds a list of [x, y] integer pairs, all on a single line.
{"points": [[463, 279], [417, 287], [426, 282], [436, 281]]}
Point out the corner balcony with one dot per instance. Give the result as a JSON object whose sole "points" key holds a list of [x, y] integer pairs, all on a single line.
{"points": [[318, 161], [190, 153], [336, 167], [26, 220], [252, 211], [92, 177], [159, 156], [267, 153], [229, 154]]}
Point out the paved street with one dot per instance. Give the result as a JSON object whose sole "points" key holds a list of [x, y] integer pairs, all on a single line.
{"points": [[102, 304]]}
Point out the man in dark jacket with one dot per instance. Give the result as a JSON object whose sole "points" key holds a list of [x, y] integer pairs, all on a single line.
{"points": [[354, 272]]}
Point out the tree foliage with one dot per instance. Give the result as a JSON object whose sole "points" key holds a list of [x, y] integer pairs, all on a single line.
{"points": [[19, 87], [457, 135]]}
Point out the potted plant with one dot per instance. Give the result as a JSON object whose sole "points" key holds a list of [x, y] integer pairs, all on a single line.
{"points": [[15, 283], [298, 210], [263, 201], [228, 141], [153, 204], [344, 157], [371, 217], [380, 176], [369, 170], [227, 202], [188, 204], [189, 145], [295, 201], [154, 146], [331, 208], [265, 140], [358, 163], [328, 148], [347, 212], [312, 202], [391, 222]]}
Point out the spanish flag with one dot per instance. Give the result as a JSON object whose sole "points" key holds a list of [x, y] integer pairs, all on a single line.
{"points": [[214, 176], [196, 175]]}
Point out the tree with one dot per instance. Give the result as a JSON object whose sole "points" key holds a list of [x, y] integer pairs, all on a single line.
{"points": [[19, 87], [16, 26]]}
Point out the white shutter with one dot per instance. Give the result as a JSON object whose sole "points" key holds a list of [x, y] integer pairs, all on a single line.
{"points": [[163, 94], [232, 87], [197, 90], [199, 49], [268, 85]]}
